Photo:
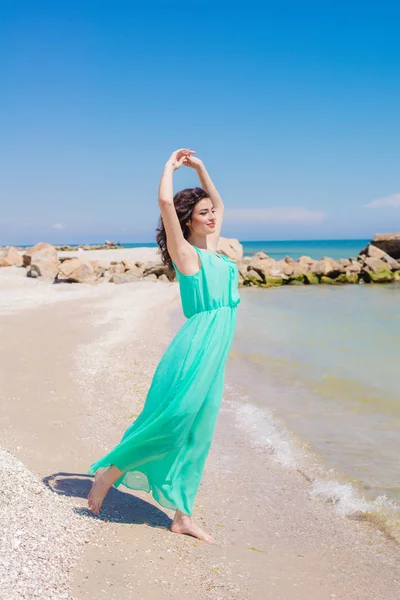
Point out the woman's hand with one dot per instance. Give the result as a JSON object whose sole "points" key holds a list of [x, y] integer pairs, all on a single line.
{"points": [[177, 158], [192, 161]]}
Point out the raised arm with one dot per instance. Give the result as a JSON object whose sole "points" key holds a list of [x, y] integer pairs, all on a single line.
{"points": [[208, 186], [179, 249]]}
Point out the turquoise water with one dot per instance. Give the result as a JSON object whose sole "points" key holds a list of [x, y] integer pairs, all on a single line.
{"points": [[326, 361], [316, 249]]}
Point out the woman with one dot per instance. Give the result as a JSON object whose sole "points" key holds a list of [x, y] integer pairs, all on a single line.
{"points": [[165, 448]]}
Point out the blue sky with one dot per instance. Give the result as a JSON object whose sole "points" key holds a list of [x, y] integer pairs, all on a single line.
{"points": [[293, 107]]}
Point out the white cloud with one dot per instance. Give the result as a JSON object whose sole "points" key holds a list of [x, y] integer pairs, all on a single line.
{"points": [[58, 226], [279, 214], [393, 201]]}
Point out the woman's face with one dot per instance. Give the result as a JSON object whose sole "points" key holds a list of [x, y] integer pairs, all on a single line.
{"points": [[203, 218]]}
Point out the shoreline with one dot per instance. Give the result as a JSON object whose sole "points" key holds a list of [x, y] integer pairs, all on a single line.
{"points": [[274, 540]]}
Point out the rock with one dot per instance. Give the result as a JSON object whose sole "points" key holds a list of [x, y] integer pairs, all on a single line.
{"points": [[288, 260], [375, 264], [46, 269], [163, 278], [254, 276], [117, 268], [306, 260], [392, 262], [69, 265], [300, 269], [263, 266], [327, 280], [344, 262], [127, 277], [300, 278], [230, 247], [351, 277], [372, 251], [138, 275], [342, 278], [260, 255], [132, 267], [10, 257], [151, 277], [381, 276], [295, 282], [156, 268], [76, 270], [242, 268], [42, 251], [273, 281], [311, 278], [354, 267], [389, 243], [396, 276], [327, 267], [98, 268]]}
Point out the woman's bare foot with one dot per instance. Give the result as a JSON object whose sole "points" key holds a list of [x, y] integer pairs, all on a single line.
{"points": [[103, 480], [184, 524]]}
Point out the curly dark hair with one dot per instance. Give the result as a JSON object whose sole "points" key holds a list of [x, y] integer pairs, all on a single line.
{"points": [[184, 202]]}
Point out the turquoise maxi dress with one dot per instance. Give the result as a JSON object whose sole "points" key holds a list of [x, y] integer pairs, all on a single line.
{"points": [[165, 448]]}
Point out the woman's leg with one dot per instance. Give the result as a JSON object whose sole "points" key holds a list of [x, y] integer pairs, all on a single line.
{"points": [[185, 524], [103, 480]]}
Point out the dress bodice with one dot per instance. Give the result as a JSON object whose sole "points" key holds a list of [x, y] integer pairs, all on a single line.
{"points": [[213, 286]]}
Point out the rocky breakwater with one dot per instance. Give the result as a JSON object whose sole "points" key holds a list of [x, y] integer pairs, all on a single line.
{"points": [[44, 262], [372, 265], [379, 262]]}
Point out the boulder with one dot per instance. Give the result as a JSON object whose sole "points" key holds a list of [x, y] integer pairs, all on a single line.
{"points": [[297, 279], [296, 282], [242, 268], [69, 265], [311, 278], [46, 269], [156, 270], [354, 267], [230, 247], [117, 268], [260, 255], [372, 251], [254, 276], [42, 251], [76, 270], [344, 262], [327, 280], [381, 276], [300, 269], [351, 277], [389, 243], [98, 267], [375, 264], [306, 260], [127, 277], [327, 267], [133, 267], [263, 266], [10, 257], [273, 281], [163, 278], [151, 277]]}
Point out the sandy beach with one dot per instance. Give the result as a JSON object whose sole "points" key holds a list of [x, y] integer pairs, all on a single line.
{"points": [[76, 363]]}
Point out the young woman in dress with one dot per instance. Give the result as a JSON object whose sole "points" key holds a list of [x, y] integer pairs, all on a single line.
{"points": [[165, 448]]}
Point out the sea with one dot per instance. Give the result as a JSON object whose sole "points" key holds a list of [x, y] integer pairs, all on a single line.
{"points": [[279, 249], [314, 375]]}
